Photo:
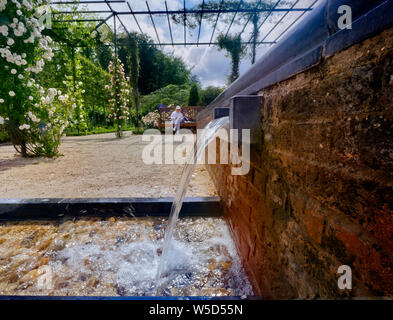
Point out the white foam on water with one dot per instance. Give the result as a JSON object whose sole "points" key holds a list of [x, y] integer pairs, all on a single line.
{"points": [[199, 263]]}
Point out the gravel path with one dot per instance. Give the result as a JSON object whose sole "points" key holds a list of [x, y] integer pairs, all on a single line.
{"points": [[94, 166]]}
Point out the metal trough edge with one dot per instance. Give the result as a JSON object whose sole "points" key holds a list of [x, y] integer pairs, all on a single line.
{"points": [[56, 209], [185, 298]]}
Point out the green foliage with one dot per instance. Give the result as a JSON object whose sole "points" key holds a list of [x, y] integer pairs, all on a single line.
{"points": [[94, 79], [56, 70], [134, 68], [102, 52], [100, 130], [4, 137], [74, 33], [45, 123], [76, 77], [133, 61], [235, 49], [209, 94], [76, 94], [193, 99], [171, 94], [157, 69], [92, 76]]}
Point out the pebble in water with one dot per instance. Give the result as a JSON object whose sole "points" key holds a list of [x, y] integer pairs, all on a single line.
{"points": [[92, 257]]}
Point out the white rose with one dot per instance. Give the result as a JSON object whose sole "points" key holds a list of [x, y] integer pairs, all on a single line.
{"points": [[13, 71], [11, 93], [24, 126]]}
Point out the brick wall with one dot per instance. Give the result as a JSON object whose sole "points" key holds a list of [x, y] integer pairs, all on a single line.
{"points": [[319, 192]]}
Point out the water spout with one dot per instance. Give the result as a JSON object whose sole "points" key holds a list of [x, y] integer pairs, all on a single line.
{"points": [[208, 134]]}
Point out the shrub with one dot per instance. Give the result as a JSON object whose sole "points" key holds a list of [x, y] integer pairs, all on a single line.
{"points": [[44, 126]]}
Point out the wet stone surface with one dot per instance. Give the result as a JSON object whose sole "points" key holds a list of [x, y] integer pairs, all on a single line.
{"points": [[119, 257]]}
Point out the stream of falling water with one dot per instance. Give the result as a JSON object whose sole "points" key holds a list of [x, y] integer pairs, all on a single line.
{"points": [[207, 136]]}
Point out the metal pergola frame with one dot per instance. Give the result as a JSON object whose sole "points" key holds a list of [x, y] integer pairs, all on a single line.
{"points": [[115, 15]]}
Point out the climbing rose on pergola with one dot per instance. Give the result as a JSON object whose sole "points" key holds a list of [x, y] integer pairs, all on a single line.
{"points": [[119, 90], [36, 118]]}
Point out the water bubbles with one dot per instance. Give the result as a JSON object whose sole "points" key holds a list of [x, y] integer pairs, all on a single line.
{"points": [[103, 258]]}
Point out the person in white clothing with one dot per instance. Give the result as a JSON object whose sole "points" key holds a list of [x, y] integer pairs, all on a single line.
{"points": [[177, 118]]}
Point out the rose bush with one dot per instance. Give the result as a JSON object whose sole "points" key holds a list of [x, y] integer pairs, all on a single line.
{"points": [[151, 119], [36, 117], [44, 125]]}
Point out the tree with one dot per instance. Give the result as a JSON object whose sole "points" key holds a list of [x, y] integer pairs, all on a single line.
{"points": [[209, 94], [171, 94], [156, 68], [234, 48], [193, 98], [119, 91]]}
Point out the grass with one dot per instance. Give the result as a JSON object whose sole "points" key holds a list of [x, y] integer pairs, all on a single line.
{"points": [[100, 130], [72, 133]]}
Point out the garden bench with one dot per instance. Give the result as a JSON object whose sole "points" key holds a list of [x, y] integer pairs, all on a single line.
{"points": [[189, 112]]}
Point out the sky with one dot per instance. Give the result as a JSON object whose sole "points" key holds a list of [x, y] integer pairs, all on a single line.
{"points": [[210, 65]]}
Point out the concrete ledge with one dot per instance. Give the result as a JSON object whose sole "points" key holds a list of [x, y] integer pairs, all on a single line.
{"points": [[55, 209]]}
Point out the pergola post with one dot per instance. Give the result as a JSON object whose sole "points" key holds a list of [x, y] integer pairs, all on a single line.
{"points": [[74, 74], [115, 33]]}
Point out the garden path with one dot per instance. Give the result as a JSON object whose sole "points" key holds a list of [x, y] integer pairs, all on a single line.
{"points": [[94, 166]]}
